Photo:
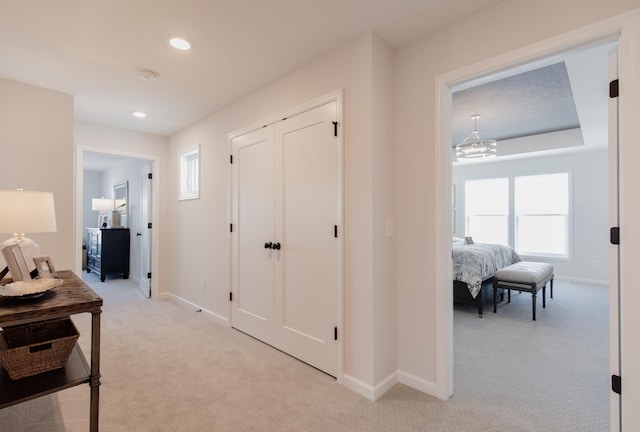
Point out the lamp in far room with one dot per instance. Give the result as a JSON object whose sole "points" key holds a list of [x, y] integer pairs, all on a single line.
{"points": [[26, 212], [102, 205], [474, 146]]}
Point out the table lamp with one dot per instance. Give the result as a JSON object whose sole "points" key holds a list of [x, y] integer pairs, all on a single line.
{"points": [[26, 212], [102, 205]]}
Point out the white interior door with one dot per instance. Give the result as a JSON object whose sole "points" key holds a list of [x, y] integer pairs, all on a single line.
{"points": [[285, 250], [253, 216], [144, 235], [307, 216]]}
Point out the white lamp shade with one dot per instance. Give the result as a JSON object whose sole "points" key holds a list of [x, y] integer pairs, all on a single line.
{"points": [[27, 212], [101, 204]]}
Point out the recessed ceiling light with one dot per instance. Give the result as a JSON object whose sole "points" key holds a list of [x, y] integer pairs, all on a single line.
{"points": [[180, 44], [139, 114]]}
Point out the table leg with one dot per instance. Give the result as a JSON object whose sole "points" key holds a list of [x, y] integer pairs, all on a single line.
{"points": [[94, 381]]}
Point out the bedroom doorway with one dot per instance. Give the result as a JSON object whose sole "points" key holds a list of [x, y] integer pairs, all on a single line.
{"points": [[96, 170], [606, 257]]}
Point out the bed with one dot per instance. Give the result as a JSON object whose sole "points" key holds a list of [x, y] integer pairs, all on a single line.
{"points": [[473, 268]]}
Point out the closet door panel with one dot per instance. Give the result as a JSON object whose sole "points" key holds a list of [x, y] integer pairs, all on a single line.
{"points": [[306, 211], [253, 217]]}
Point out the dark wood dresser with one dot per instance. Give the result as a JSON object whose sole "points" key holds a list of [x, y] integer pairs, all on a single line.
{"points": [[108, 251]]}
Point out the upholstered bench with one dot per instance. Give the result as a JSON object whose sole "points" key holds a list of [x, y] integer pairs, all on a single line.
{"points": [[524, 276]]}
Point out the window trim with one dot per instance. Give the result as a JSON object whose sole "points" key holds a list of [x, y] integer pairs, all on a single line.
{"points": [[185, 190], [512, 214]]}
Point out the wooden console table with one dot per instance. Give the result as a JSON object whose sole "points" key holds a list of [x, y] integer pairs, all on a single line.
{"points": [[70, 298]]}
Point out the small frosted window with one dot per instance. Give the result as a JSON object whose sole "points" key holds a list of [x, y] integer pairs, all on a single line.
{"points": [[190, 174]]}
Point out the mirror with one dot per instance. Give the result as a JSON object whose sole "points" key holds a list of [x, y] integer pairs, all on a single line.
{"points": [[121, 205]]}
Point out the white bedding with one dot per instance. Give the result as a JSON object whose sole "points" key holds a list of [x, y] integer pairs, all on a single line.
{"points": [[474, 263]]}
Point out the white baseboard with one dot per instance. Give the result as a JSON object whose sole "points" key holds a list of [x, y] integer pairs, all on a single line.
{"points": [[367, 390], [419, 384], [222, 320], [384, 386], [360, 387], [374, 392]]}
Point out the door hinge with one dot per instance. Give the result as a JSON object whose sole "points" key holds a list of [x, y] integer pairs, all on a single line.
{"points": [[230, 296], [335, 129], [614, 90], [616, 384], [614, 235], [149, 225], [231, 159], [335, 333], [150, 176], [335, 231], [230, 227], [149, 275]]}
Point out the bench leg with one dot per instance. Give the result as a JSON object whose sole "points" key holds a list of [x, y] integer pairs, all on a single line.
{"points": [[551, 287], [495, 300], [533, 301], [544, 295]]}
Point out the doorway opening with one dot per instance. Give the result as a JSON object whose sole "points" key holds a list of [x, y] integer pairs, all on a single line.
{"points": [[103, 175], [460, 223]]}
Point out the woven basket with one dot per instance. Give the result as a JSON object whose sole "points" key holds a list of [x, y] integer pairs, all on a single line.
{"points": [[33, 348]]}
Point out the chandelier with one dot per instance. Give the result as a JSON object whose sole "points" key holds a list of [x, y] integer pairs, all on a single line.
{"points": [[474, 146]]}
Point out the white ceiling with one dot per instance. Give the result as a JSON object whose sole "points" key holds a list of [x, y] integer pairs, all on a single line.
{"points": [[92, 161], [93, 50], [529, 103]]}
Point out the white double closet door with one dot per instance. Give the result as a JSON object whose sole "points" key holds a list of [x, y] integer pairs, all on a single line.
{"points": [[284, 247]]}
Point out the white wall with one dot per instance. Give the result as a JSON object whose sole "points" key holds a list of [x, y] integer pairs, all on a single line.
{"points": [[200, 227], [417, 67], [384, 293], [36, 138], [589, 206], [92, 182]]}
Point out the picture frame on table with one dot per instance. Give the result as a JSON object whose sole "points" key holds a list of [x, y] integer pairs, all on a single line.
{"points": [[16, 263], [45, 268]]}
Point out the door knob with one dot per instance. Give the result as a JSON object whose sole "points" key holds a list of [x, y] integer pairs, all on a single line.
{"points": [[276, 246], [268, 245]]}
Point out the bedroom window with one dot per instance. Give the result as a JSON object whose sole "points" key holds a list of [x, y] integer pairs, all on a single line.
{"points": [[541, 207], [487, 210]]}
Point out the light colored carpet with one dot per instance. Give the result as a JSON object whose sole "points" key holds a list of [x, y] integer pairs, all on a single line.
{"points": [[166, 367]]}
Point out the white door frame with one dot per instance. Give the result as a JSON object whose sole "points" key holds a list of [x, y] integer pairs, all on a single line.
{"points": [[146, 237], [614, 250], [155, 210], [336, 96], [626, 30]]}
